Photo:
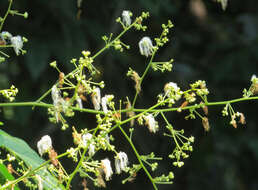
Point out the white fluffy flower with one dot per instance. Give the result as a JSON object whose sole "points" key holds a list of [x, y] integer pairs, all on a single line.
{"points": [[151, 123], [55, 95], [104, 104], [146, 47], [126, 16], [85, 139], [79, 102], [105, 101], [17, 43], [96, 98], [121, 162], [106, 166], [44, 145]]}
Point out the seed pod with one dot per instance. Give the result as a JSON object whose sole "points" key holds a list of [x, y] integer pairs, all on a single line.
{"points": [[205, 109], [242, 119], [184, 104], [61, 79], [205, 124], [254, 88], [52, 156]]}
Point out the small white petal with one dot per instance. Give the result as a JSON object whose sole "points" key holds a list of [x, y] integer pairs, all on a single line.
{"points": [[96, 98], [104, 104], [79, 102]]}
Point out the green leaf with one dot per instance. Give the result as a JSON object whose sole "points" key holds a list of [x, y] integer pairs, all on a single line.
{"points": [[4, 174], [21, 149]]}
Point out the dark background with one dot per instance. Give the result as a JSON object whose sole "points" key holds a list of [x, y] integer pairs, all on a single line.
{"points": [[220, 47]]}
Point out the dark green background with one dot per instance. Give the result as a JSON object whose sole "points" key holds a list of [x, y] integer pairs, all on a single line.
{"points": [[222, 50]]}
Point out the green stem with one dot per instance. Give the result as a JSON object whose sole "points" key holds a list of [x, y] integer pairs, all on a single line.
{"points": [[142, 77], [6, 14], [143, 111], [4, 54], [171, 130], [138, 157], [196, 106], [40, 104]]}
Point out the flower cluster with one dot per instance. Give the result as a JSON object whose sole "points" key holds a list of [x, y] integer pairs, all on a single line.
{"points": [[162, 66], [163, 39]]}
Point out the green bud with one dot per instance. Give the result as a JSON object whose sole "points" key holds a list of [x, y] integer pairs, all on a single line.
{"points": [[25, 15], [53, 64]]}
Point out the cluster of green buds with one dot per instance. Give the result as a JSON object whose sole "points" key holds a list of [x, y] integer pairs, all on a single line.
{"points": [[163, 39], [183, 146], [162, 66], [9, 93]]}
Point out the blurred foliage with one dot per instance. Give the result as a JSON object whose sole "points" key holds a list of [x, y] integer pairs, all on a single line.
{"points": [[207, 43]]}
